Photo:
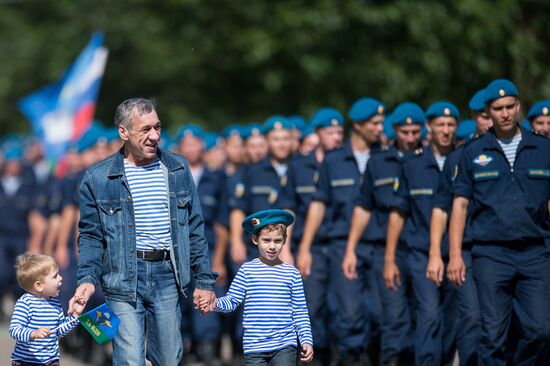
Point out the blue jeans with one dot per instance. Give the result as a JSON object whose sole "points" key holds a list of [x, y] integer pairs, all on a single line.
{"points": [[155, 316], [282, 357]]}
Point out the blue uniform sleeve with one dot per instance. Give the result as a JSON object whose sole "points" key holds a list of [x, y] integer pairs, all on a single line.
{"points": [[401, 198], [323, 192], [288, 191], [235, 295], [463, 184], [241, 194], [300, 312]]}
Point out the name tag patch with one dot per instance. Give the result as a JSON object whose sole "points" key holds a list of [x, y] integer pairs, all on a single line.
{"points": [[261, 189], [539, 173], [305, 189], [342, 182], [421, 192], [383, 181], [493, 174]]}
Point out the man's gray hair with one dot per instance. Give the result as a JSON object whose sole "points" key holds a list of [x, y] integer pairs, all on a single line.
{"points": [[126, 109]]}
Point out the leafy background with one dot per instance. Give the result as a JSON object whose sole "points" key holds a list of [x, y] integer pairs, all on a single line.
{"points": [[215, 62]]}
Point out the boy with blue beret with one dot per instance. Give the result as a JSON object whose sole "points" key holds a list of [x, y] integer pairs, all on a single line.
{"points": [[275, 310], [505, 176], [539, 117]]}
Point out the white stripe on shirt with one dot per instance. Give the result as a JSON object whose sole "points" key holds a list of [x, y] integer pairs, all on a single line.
{"points": [[275, 309], [150, 198], [510, 147]]}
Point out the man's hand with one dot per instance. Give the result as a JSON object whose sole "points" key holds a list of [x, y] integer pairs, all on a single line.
{"points": [[81, 297], [238, 252], [391, 275], [456, 270], [207, 298], [42, 332], [349, 265], [435, 270], [304, 261], [205, 307], [307, 353]]}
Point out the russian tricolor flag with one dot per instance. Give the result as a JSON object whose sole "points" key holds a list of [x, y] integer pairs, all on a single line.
{"points": [[61, 112]]}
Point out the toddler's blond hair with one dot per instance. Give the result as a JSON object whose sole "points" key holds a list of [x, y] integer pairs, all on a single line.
{"points": [[32, 267]]}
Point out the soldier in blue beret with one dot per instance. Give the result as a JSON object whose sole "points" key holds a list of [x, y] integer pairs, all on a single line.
{"points": [[504, 176], [234, 148], [299, 124], [478, 112], [539, 117], [410, 218], [255, 143], [466, 131], [309, 141], [328, 218], [214, 152], [368, 232], [327, 127]]}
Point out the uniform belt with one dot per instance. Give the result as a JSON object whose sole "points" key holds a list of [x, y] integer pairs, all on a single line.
{"points": [[153, 255]]}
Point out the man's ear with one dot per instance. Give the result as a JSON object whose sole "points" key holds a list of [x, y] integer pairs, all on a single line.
{"points": [[123, 132]]}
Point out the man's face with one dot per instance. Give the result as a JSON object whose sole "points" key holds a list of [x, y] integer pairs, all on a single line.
{"points": [[370, 130], [191, 147], [142, 137], [483, 122], [234, 149], [256, 148], [541, 125], [279, 143], [330, 137], [408, 136], [503, 113], [309, 143], [443, 130]]}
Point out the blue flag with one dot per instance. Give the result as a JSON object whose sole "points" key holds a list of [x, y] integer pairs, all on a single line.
{"points": [[101, 322], [61, 112]]}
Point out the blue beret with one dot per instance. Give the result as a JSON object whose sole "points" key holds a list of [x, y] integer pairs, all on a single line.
{"points": [[211, 140], [190, 129], [365, 108], [466, 129], [407, 113], [277, 123], [540, 108], [232, 130], [477, 103], [298, 121], [326, 117], [499, 88], [441, 109], [388, 128], [260, 219], [253, 129], [89, 138], [308, 130], [111, 134], [166, 141], [13, 152]]}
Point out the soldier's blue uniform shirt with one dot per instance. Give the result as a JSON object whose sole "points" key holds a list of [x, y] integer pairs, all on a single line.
{"points": [[263, 188], [418, 183], [510, 203], [340, 180], [303, 176], [381, 180], [212, 195]]}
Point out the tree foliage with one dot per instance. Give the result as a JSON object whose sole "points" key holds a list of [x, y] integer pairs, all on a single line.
{"points": [[215, 62]]}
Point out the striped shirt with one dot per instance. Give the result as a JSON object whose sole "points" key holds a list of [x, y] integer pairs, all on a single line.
{"points": [[362, 158], [150, 197], [275, 309], [510, 147], [31, 313]]}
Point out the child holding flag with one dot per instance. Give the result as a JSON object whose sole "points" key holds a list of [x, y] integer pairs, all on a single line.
{"points": [[38, 318], [275, 311]]}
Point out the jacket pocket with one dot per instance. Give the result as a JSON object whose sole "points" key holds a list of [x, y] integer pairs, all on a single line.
{"points": [[110, 215], [183, 200]]}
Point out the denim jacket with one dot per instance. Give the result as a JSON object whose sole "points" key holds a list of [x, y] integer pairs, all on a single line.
{"points": [[107, 242]]}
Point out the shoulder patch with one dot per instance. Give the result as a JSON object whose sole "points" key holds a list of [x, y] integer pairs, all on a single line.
{"points": [[483, 160]]}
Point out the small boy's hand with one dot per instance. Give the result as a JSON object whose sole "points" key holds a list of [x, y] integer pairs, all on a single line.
{"points": [[307, 353], [42, 332], [205, 307]]}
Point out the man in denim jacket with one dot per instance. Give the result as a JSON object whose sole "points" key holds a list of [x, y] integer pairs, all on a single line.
{"points": [[141, 232]]}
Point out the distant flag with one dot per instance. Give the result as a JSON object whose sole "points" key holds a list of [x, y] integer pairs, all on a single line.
{"points": [[101, 322], [61, 112]]}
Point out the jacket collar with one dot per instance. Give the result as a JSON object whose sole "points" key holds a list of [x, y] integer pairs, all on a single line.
{"points": [[490, 137]]}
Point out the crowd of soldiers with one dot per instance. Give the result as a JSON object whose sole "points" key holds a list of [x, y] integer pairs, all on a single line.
{"points": [[371, 236]]}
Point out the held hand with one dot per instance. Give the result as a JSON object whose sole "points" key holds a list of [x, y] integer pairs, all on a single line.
{"points": [[206, 308], [81, 296], [304, 261], [349, 265], [456, 270], [307, 353], [42, 332], [435, 270], [205, 295], [78, 307], [391, 275], [238, 252]]}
